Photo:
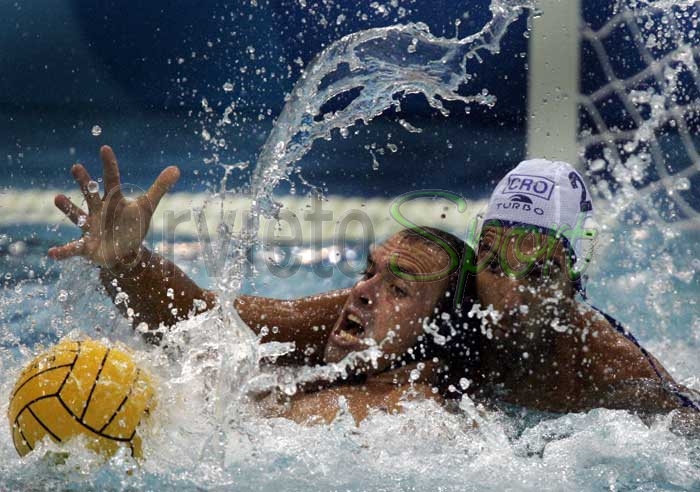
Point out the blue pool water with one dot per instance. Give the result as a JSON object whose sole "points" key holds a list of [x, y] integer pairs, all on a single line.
{"points": [[426, 448]]}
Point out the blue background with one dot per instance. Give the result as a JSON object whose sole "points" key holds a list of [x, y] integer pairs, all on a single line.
{"points": [[139, 70]]}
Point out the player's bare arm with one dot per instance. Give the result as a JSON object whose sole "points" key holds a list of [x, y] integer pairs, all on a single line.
{"points": [[158, 293]]}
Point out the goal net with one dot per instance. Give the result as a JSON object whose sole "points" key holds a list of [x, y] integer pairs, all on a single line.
{"points": [[639, 102], [639, 119]]}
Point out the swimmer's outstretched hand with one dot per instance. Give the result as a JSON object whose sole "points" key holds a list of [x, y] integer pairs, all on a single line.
{"points": [[115, 226]]}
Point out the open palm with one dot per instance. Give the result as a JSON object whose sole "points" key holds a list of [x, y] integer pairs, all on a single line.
{"points": [[115, 226]]}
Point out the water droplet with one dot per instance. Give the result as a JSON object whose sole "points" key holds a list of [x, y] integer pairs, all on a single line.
{"points": [[681, 184], [409, 127], [375, 162], [93, 187], [121, 297], [412, 47], [18, 248], [630, 146], [62, 296], [597, 165], [96, 131], [559, 328], [228, 87]]}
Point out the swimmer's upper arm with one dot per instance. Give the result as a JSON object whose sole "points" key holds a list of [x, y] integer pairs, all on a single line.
{"points": [[160, 293], [615, 358], [624, 376], [306, 321], [360, 401]]}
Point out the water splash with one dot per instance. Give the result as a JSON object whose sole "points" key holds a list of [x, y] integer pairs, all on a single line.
{"points": [[643, 158], [374, 67]]}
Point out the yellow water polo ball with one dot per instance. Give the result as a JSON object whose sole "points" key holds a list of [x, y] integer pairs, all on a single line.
{"points": [[81, 388]]}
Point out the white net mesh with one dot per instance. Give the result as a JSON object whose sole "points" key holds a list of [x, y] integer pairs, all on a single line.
{"points": [[638, 139], [639, 103]]}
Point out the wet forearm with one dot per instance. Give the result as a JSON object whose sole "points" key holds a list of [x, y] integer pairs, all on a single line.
{"points": [[306, 321], [156, 291]]}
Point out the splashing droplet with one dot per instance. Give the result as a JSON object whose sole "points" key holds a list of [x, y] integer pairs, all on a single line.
{"points": [[409, 127], [375, 162], [682, 184]]}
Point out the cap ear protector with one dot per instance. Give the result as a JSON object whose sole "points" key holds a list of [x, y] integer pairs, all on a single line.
{"points": [[575, 180]]}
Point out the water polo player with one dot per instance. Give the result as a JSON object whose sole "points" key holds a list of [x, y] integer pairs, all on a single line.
{"points": [[538, 346], [547, 349], [391, 332]]}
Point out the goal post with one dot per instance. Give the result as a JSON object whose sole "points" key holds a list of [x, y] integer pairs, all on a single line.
{"points": [[553, 81]]}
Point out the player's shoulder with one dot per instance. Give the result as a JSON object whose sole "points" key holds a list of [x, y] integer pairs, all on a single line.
{"points": [[612, 346], [596, 324]]}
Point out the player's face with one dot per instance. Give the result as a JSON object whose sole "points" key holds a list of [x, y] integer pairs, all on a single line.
{"points": [[529, 289], [385, 311]]}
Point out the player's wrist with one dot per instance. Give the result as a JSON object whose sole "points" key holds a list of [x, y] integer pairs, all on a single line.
{"points": [[128, 263]]}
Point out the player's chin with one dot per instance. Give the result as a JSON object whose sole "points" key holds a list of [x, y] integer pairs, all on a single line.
{"points": [[333, 354]]}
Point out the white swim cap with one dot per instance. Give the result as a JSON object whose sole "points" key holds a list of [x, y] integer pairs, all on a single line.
{"points": [[548, 195]]}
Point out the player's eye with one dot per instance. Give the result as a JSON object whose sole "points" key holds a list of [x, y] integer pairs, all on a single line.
{"points": [[398, 290]]}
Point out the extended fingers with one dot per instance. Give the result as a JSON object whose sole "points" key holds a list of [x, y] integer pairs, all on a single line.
{"points": [[83, 178], [74, 248], [110, 170], [167, 178], [74, 213]]}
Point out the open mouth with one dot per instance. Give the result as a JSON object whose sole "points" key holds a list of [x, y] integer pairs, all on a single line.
{"points": [[349, 331]]}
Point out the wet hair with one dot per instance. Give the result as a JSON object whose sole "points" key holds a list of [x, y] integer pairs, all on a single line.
{"points": [[453, 340]]}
